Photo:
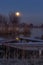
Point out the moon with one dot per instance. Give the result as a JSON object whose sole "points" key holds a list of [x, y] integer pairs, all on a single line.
{"points": [[17, 14]]}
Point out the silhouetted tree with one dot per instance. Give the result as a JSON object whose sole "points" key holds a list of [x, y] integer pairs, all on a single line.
{"points": [[42, 37], [13, 19], [27, 31], [15, 22], [31, 25], [1, 19], [41, 25]]}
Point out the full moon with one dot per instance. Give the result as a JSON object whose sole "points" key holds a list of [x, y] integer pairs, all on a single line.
{"points": [[17, 13]]}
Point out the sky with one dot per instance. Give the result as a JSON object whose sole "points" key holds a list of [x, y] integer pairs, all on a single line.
{"points": [[32, 10]]}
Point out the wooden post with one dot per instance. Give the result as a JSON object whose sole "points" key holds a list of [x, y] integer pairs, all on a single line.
{"points": [[14, 54], [17, 53], [22, 54], [8, 53], [4, 53], [40, 53]]}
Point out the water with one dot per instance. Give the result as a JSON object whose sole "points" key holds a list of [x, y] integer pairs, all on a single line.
{"points": [[36, 32]]}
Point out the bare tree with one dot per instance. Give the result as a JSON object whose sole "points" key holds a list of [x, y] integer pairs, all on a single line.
{"points": [[13, 19]]}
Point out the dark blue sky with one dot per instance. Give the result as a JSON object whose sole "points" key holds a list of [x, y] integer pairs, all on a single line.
{"points": [[32, 10]]}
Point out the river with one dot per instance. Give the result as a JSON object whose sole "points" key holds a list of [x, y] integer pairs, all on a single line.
{"points": [[36, 32]]}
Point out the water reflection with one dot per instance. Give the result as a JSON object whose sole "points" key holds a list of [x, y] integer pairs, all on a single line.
{"points": [[36, 32]]}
